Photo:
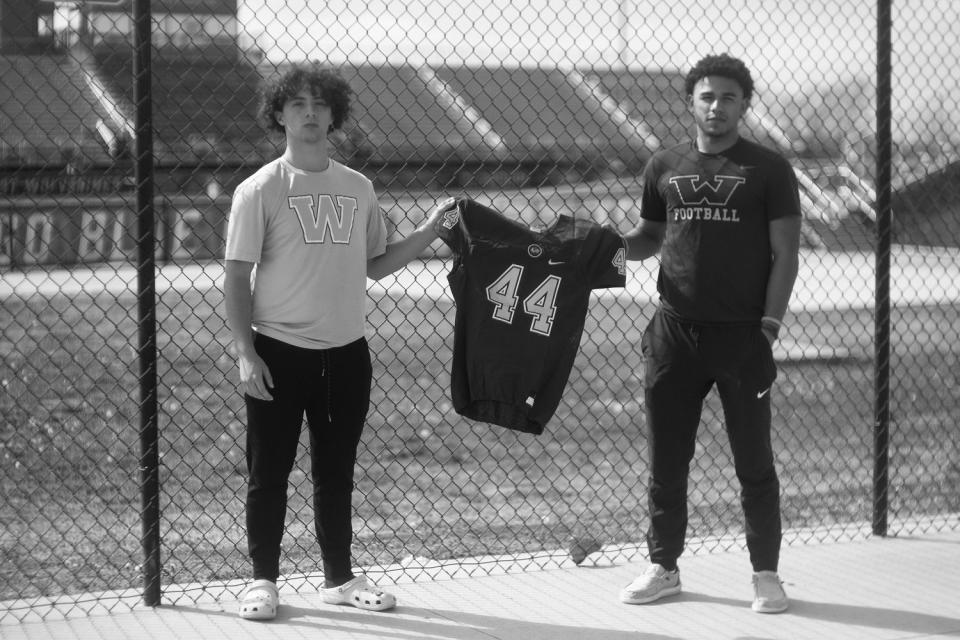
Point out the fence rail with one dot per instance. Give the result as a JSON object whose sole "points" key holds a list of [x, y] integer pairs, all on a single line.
{"points": [[124, 132]]}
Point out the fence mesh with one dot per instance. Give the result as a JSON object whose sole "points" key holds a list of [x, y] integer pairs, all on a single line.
{"points": [[537, 108]]}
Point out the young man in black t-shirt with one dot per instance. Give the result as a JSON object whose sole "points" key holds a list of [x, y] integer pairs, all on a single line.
{"points": [[724, 214]]}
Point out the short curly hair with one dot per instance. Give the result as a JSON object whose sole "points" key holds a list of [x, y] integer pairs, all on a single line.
{"points": [[723, 65], [322, 82]]}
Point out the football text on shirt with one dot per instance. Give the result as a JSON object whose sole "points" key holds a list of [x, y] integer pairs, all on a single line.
{"points": [[694, 190], [319, 215], [706, 213]]}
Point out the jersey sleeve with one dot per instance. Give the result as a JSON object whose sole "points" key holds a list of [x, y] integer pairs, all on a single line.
{"points": [[450, 228], [604, 258]]}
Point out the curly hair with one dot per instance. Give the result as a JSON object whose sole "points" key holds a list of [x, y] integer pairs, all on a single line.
{"points": [[723, 65], [323, 83]]}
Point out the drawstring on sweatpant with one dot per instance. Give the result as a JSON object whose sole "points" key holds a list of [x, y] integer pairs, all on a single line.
{"points": [[327, 373]]}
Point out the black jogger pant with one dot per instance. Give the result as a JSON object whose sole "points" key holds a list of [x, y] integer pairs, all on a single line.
{"points": [[683, 362], [332, 388]]}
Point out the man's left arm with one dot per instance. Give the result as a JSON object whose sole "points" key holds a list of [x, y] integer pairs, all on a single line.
{"points": [[401, 252], [785, 263]]}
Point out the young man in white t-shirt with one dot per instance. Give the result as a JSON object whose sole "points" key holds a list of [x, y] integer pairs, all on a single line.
{"points": [[304, 234]]}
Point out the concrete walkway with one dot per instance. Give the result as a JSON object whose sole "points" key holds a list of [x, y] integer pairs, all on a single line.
{"points": [[872, 589]]}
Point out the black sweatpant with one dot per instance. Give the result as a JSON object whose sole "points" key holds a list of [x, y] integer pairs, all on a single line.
{"points": [[683, 362], [332, 388]]}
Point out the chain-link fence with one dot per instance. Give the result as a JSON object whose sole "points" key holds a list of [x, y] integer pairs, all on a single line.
{"points": [[537, 108]]}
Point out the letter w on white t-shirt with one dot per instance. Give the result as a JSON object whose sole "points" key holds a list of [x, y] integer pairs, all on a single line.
{"points": [[316, 220]]}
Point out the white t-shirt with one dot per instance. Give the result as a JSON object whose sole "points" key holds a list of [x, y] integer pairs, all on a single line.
{"points": [[310, 235]]}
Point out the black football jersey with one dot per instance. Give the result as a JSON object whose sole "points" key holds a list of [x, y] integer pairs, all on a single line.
{"points": [[521, 300]]}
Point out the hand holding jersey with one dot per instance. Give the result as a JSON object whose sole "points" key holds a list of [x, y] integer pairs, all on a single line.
{"points": [[400, 252]]}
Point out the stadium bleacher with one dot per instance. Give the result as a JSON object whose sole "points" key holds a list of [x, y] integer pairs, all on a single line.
{"points": [[203, 100], [204, 103], [403, 114], [541, 113], [415, 127], [400, 122], [419, 128], [47, 108], [928, 211]]}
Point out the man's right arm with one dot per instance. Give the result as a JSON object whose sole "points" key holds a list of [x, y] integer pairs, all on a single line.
{"points": [[238, 299], [645, 240]]}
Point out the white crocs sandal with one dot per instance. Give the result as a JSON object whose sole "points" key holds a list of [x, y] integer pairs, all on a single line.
{"points": [[260, 601], [360, 594]]}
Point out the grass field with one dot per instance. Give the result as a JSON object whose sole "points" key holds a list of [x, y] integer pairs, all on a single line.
{"points": [[430, 484]]}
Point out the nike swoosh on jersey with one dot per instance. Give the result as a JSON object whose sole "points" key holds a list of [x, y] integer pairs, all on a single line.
{"points": [[553, 262]]}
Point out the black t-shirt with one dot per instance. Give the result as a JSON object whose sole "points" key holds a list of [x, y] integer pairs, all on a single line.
{"points": [[521, 298], [715, 259]]}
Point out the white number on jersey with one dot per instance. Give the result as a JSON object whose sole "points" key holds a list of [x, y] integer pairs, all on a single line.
{"points": [[502, 292], [620, 261], [541, 304]]}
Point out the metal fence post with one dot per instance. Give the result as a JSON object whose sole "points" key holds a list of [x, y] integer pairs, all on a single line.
{"points": [[882, 306], [146, 305]]}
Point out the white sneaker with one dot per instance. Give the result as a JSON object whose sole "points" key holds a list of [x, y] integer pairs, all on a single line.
{"points": [[653, 584], [768, 593]]}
